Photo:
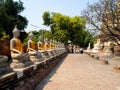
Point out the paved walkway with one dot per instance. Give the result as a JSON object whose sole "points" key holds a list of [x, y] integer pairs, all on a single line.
{"points": [[81, 72]]}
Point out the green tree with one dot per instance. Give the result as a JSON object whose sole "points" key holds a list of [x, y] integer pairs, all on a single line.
{"points": [[46, 18], [10, 16], [65, 28], [77, 27]]}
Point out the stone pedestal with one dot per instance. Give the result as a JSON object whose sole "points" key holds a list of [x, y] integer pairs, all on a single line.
{"points": [[104, 62], [4, 66], [109, 51], [116, 69], [44, 54], [51, 53], [37, 58], [24, 71], [7, 79], [96, 49], [20, 63]]}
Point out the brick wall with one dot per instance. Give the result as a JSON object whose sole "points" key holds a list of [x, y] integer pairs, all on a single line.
{"points": [[31, 76]]}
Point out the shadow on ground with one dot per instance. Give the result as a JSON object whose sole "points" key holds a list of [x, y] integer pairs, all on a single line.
{"points": [[41, 85]]}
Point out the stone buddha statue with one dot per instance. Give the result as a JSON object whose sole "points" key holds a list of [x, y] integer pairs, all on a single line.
{"points": [[46, 44], [50, 44], [42, 47], [35, 56], [54, 44], [19, 58], [51, 50], [41, 44]]}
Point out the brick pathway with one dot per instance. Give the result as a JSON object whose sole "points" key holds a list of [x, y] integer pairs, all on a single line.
{"points": [[81, 72]]}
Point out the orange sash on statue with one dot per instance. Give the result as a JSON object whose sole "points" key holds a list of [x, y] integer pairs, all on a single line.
{"points": [[32, 45], [18, 46]]}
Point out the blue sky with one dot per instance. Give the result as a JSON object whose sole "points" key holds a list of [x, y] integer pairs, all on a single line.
{"points": [[35, 8]]}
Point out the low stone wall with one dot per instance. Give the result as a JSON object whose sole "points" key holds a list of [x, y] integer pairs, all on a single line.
{"points": [[28, 78]]}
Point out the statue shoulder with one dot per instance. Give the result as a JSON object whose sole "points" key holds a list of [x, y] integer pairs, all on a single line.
{"points": [[29, 41], [39, 42], [13, 40]]}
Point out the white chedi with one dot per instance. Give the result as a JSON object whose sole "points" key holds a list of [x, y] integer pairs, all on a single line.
{"points": [[97, 46], [88, 48]]}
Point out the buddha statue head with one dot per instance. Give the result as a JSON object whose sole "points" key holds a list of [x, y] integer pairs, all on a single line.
{"points": [[16, 32], [31, 36]]}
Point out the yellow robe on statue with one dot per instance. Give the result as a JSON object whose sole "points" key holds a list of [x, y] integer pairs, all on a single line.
{"points": [[33, 46], [49, 46], [18, 46], [41, 47]]}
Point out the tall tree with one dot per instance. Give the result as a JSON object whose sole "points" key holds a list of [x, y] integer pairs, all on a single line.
{"points": [[46, 18], [65, 28], [104, 16], [10, 16]]}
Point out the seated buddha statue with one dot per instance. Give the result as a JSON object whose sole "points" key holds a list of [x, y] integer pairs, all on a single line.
{"points": [[19, 58], [46, 48], [41, 44], [35, 56], [52, 47], [46, 44], [53, 44], [50, 44]]}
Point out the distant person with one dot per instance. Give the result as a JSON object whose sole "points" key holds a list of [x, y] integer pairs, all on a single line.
{"points": [[74, 49]]}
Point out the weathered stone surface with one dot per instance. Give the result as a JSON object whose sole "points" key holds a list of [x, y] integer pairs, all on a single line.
{"points": [[105, 62], [27, 78], [7, 80]]}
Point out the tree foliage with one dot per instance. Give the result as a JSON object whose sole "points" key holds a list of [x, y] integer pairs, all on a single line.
{"points": [[46, 18], [36, 34], [104, 16], [65, 28], [10, 16]]}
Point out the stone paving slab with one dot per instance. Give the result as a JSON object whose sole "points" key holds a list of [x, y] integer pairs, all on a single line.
{"points": [[81, 72]]}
